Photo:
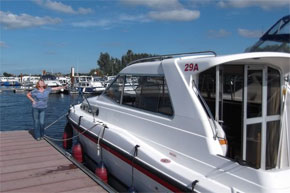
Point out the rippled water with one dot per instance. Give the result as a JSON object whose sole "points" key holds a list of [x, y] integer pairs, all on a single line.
{"points": [[16, 112]]}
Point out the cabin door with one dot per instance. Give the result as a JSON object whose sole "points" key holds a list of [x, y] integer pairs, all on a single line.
{"points": [[261, 117]]}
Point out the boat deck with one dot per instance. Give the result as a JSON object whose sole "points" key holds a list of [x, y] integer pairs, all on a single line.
{"points": [[27, 165]]}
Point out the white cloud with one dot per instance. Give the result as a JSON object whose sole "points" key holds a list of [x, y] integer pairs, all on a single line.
{"points": [[174, 15], [13, 21], [250, 33], [155, 4], [165, 10], [218, 33], [109, 23], [60, 7], [133, 18], [265, 4], [98, 23]]}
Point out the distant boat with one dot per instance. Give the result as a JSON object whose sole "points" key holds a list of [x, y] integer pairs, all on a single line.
{"points": [[51, 81], [30, 80], [64, 80], [89, 84], [10, 81]]}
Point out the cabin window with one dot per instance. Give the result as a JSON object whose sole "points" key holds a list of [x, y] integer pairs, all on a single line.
{"points": [[274, 93], [254, 145], [254, 94], [227, 107], [115, 90], [148, 93], [246, 101], [207, 87], [273, 138]]}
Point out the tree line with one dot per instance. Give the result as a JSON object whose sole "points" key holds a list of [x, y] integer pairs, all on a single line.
{"points": [[109, 65]]}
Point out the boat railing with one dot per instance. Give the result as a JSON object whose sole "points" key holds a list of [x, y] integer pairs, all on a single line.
{"points": [[167, 56]]}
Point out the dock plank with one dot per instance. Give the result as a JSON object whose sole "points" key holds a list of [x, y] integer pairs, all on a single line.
{"points": [[29, 160], [27, 165], [35, 172], [91, 189], [62, 186]]}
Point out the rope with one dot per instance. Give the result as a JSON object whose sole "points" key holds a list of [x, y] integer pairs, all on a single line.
{"points": [[80, 133], [56, 121]]}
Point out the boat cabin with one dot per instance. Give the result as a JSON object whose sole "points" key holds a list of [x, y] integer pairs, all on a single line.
{"points": [[242, 94]]}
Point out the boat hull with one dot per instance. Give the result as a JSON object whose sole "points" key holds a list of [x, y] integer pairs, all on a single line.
{"points": [[120, 162]]}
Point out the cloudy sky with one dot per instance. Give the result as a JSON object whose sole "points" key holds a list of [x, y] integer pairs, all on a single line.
{"points": [[55, 35]]}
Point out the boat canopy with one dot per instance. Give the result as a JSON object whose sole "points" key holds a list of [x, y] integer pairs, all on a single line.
{"points": [[277, 38]]}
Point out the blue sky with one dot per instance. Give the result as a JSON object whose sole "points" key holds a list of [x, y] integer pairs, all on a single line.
{"points": [[55, 35]]}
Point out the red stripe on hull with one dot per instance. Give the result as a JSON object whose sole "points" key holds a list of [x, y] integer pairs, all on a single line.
{"points": [[138, 167]]}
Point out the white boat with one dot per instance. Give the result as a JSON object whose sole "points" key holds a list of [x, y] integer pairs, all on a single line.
{"points": [[10, 81], [64, 80], [166, 132], [89, 84], [30, 80], [51, 81], [109, 80], [193, 123]]}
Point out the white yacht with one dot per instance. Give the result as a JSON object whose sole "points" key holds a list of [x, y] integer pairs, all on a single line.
{"points": [[30, 80], [64, 80], [10, 81], [194, 123], [205, 123], [89, 84], [51, 81]]}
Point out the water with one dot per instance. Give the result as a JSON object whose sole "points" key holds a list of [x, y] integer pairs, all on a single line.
{"points": [[16, 112]]}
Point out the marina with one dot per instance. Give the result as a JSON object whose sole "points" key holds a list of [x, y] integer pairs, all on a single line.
{"points": [[182, 122]]}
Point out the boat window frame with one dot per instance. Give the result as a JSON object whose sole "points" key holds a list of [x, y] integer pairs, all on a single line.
{"points": [[135, 108], [264, 119]]}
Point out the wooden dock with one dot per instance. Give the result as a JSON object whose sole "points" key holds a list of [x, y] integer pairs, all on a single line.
{"points": [[27, 165]]}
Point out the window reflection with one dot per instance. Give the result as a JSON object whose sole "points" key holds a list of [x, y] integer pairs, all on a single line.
{"points": [[148, 93], [254, 95], [115, 90], [253, 155], [207, 87], [273, 138], [274, 95]]}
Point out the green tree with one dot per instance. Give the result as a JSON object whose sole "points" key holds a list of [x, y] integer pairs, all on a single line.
{"points": [[131, 56], [96, 72], [112, 66], [6, 74], [104, 62]]}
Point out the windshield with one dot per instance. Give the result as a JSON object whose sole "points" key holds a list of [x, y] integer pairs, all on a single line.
{"points": [[277, 38]]}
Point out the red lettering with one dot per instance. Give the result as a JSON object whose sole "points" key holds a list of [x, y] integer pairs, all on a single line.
{"points": [[195, 67], [191, 67], [186, 67]]}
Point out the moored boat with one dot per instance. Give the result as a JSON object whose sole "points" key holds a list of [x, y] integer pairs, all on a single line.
{"points": [[51, 81], [89, 84], [193, 122]]}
